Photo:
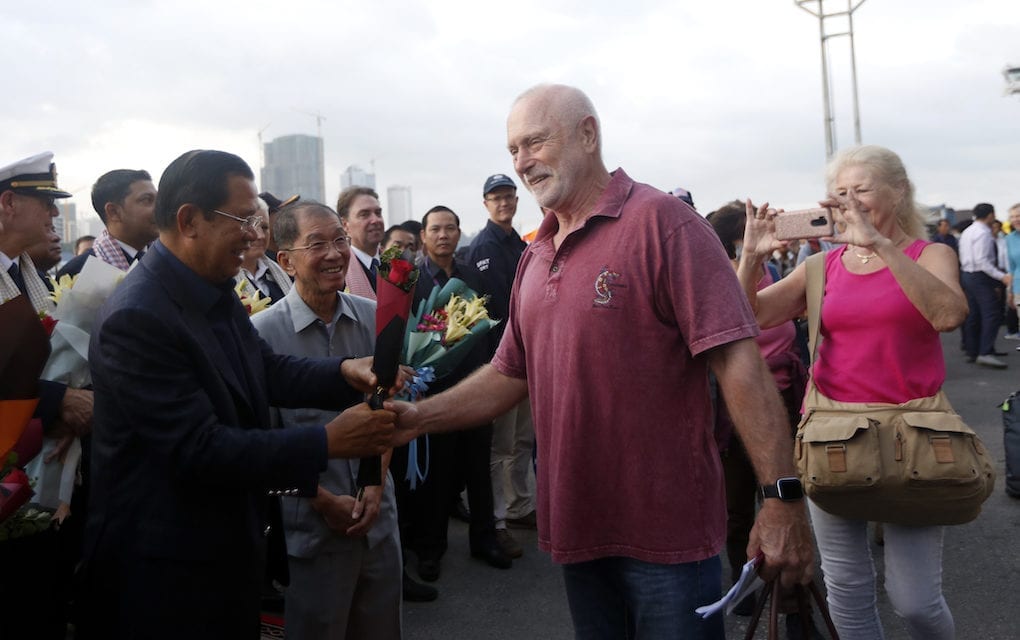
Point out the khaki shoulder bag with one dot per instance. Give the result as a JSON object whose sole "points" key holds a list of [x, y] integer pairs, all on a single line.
{"points": [[916, 463]]}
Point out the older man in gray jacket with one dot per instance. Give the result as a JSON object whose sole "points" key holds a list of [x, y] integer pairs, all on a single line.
{"points": [[344, 555]]}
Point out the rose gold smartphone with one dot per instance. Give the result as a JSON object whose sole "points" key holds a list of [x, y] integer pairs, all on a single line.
{"points": [[806, 223]]}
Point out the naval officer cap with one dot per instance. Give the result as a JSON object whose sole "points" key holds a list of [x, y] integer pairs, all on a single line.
{"points": [[35, 176]]}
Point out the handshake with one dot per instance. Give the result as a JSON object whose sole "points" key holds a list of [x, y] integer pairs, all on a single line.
{"points": [[360, 431]]}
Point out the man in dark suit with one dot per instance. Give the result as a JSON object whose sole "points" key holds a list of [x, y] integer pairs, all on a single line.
{"points": [[125, 200], [184, 464]]}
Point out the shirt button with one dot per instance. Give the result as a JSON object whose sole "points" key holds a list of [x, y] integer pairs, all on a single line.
{"points": [[555, 268]]}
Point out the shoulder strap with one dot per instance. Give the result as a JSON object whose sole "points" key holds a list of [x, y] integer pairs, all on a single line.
{"points": [[815, 273]]}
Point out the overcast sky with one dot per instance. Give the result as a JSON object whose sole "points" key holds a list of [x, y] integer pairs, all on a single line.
{"points": [[723, 97]]}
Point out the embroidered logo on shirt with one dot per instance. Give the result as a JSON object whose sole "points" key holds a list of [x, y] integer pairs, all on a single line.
{"points": [[603, 286], [483, 264]]}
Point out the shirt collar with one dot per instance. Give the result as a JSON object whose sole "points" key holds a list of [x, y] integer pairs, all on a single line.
{"points": [[497, 231], [433, 269], [609, 205], [303, 317], [203, 293], [260, 270], [5, 262], [128, 249], [363, 257]]}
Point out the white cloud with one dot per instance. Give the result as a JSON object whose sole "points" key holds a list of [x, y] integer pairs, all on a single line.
{"points": [[723, 98]]}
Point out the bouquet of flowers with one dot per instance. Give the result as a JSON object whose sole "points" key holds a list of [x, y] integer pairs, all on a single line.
{"points": [[446, 327], [24, 347], [78, 300], [251, 298], [394, 290]]}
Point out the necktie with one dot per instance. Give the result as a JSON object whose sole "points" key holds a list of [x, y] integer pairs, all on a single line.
{"points": [[19, 280], [373, 271], [138, 256]]}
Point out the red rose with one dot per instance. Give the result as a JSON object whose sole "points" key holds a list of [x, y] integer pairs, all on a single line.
{"points": [[16, 491], [399, 270], [47, 322]]}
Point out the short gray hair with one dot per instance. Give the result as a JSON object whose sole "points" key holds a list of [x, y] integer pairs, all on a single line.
{"points": [[285, 221]]}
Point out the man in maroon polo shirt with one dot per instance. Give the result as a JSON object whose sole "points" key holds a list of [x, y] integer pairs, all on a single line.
{"points": [[621, 306]]}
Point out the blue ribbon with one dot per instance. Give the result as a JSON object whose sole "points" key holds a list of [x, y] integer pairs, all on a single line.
{"points": [[413, 390], [414, 473]]}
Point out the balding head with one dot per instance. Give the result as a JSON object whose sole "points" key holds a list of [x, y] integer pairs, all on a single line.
{"points": [[563, 104], [554, 137]]}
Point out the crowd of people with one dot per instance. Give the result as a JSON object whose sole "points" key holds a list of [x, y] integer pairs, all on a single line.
{"points": [[637, 403]]}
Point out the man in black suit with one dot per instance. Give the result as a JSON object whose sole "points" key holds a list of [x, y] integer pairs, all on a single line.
{"points": [[185, 466]]}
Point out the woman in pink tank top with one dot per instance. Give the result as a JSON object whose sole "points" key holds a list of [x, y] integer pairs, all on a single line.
{"points": [[888, 294]]}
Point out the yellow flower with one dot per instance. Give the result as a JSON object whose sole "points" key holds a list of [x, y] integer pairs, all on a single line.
{"points": [[61, 286], [461, 315], [253, 302]]}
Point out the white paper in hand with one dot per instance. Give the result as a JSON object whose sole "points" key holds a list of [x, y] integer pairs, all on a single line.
{"points": [[748, 583]]}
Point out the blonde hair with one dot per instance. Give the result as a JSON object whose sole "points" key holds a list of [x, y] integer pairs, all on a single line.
{"points": [[887, 169]]}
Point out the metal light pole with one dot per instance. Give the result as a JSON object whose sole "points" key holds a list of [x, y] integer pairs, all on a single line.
{"points": [[820, 12]]}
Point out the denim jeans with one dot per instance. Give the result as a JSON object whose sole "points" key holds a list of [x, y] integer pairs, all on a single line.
{"points": [[616, 598], [913, 577]]}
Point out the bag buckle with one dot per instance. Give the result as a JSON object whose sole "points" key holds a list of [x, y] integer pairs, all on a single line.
{"points": [[942, 448], [836, 454]]}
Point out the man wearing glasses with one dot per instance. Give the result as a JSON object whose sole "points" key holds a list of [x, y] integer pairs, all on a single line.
{"points": [[495, 251], [343, 555], [186, 469]]}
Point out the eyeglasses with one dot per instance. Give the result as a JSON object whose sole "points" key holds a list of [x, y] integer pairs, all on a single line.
{"points": [[249, 223], [507, 197], [322, 246]]}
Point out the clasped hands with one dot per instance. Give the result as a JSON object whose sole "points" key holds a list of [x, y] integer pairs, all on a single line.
{"points": [[347, 515]]}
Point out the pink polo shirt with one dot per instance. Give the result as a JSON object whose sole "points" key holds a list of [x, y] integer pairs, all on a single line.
{"points": [[607, 330]]}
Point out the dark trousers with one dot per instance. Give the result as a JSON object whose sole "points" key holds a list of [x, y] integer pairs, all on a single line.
{"points": [[127, 596], [982, 323], [455, 459], [35, 587]]}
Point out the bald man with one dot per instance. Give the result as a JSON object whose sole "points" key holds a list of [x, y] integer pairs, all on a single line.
{"points": [[621, 306]]}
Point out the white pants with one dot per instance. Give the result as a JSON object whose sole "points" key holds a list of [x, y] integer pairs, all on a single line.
{"points": [[513, 440], [913, 577]]}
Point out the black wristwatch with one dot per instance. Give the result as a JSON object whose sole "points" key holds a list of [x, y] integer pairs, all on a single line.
{"points": [[786, 489]]}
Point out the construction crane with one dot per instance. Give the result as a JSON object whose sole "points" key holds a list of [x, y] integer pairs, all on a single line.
{"points": [[262, 153], [318, 120]]}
